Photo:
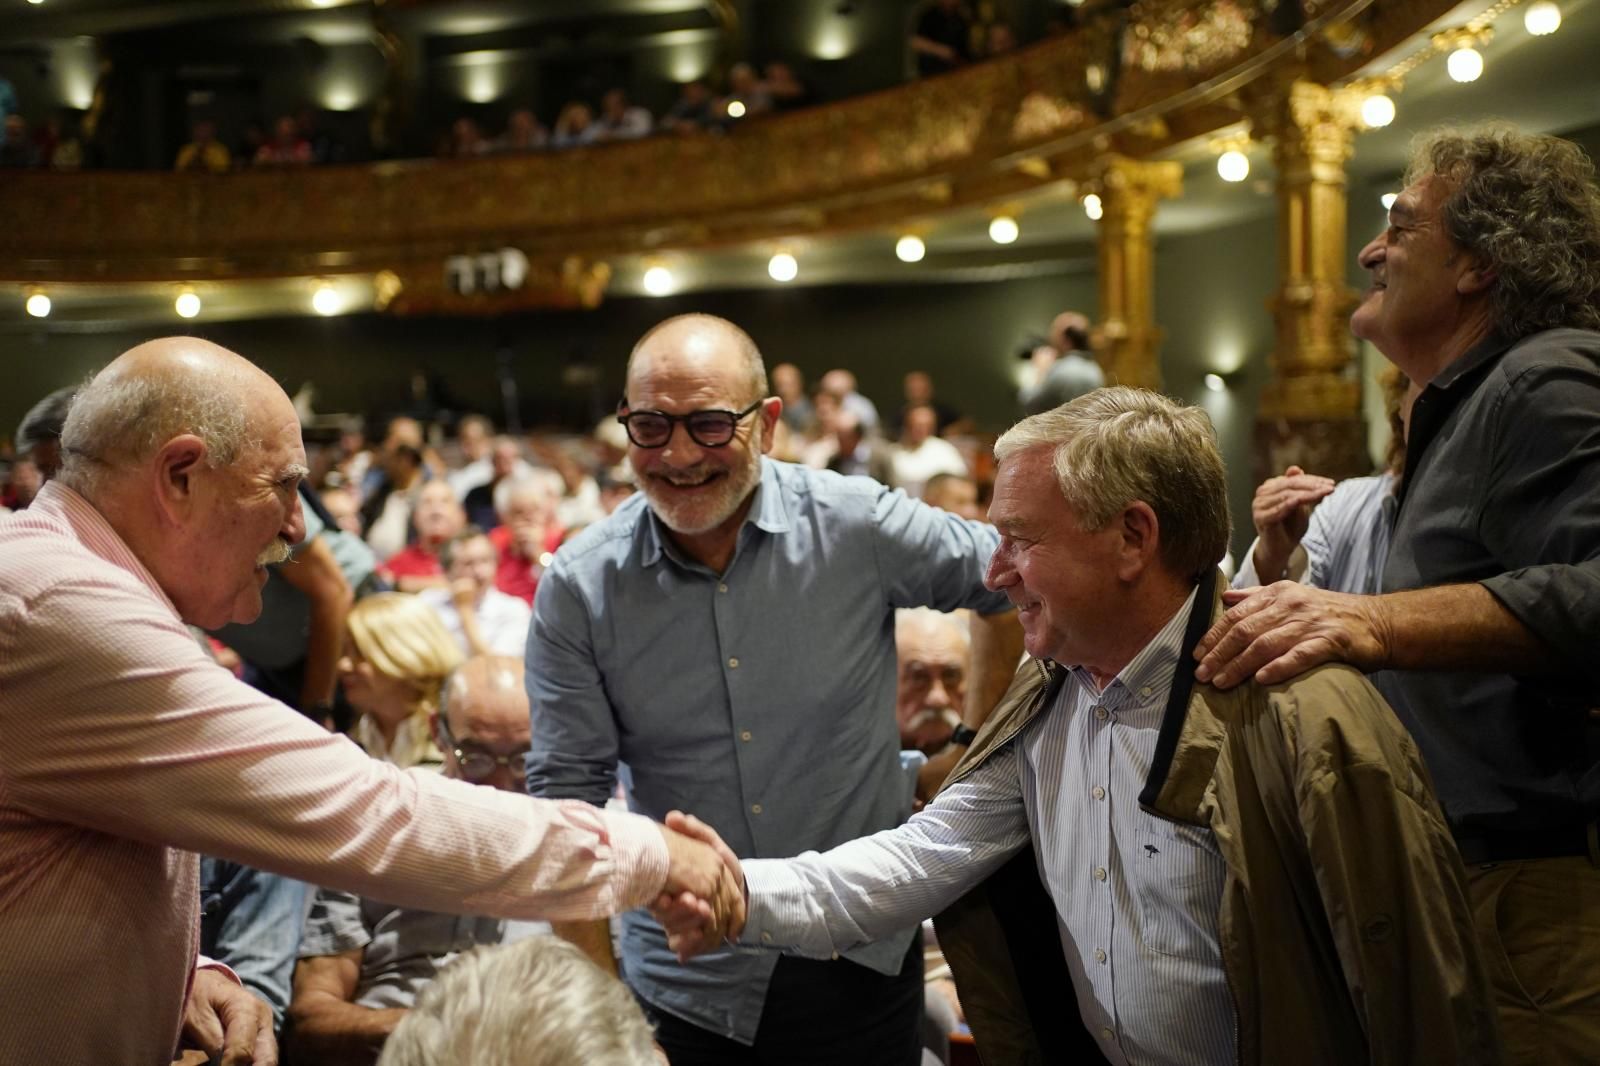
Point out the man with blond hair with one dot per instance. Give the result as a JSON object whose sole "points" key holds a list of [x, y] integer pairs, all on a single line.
{"points": [[1486, 293], [127, 750], [1259, 876]]}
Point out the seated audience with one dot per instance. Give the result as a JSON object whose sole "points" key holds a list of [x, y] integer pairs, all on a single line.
{"points": [[943, 38], [574, 126], [386, 512], [621, 121], [524, 133], [363, 962], [787, 91], [855, 453], [26, 481], [920, 455], [474, 437], [918, 387], [931, 648], [790, 386], [744, 88], [841, 385], [437, 517], [287, 147], [397, 655], [693, 110], [955, 493], [344, 505], [538, 1002], [204, 151], [481, 618], [528, 533], [465, 140], [505, 460], [39, 433]]}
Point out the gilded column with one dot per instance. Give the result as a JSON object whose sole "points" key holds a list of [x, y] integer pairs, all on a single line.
{"points": [[1310, 411], [1129, 191]]}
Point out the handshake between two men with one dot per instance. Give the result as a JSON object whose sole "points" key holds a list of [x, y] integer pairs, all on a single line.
{"points": [[703, 904]]}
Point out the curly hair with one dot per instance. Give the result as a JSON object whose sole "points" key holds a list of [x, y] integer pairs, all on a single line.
{"points": [[1527, 205]]}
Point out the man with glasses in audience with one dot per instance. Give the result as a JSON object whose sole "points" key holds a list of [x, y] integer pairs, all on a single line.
{"points": [[363, 962], [728, 634]]}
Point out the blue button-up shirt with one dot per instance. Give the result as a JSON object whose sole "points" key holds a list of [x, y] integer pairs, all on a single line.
{"points": [[761, 699]]}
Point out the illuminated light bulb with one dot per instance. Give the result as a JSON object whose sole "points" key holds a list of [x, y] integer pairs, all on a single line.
{"points": [[38, 305], [1233, 165], [782, 267], [736, 109], [1377, 110], [545, 559], [658, 281], [910, 249], [1215, 383], [1003, 229], [1388, 199], [187, 304], [325, 301], [1464, 64], [1093, 207], [1542, 18]]}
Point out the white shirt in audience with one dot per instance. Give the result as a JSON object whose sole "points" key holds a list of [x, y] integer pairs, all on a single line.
{"points": [[914, 466], [503, 620]]}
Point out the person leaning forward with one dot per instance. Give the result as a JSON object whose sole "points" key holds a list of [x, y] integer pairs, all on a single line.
{"points": [[126, 749]]}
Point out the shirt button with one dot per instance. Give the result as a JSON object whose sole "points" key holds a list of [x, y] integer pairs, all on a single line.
{"points": [[1099, 955], [1146, 691], [755, 808], [1097, 792], [722, 587], [1106, 1033], [1101, 713], [766, 938], [745, 735], [733, 663], [1099, 873]]}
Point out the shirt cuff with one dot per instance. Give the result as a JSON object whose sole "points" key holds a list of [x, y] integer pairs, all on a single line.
{"points": [[762, 884], [203, 963], [640, 853]]}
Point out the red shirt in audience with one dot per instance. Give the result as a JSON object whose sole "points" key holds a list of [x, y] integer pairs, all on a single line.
{"points": [[411, 561], [517, 575]]}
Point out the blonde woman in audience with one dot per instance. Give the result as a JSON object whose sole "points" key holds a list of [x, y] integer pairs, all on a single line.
{"points": [[397, 655]]}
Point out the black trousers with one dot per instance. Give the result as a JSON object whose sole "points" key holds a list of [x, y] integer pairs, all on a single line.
{"points": [[832, 1013]]}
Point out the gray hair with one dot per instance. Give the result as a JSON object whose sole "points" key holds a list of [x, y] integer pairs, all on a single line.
{"points": [[537, 1002], [1117, 445], [907, 618], [123, 417], [1527, 206], [519, 485]]}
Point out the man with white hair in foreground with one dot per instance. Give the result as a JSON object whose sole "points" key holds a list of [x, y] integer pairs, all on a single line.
{"points": [[127, 750]]}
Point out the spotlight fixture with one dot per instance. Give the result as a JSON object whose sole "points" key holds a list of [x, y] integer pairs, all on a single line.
{"points": [[187, 304], [1216, 383], [658, 280], [38, 304], [1003, 229], [783, 267], [1542, 18], [736, 109], [1093, 207], [1233, 165], [1388, 199], [1377, 110], [1465, 64], [910, 249], [325, 301]]}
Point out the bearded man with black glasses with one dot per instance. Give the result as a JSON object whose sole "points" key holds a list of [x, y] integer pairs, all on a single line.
{"points": [[728, 635], [364, 962]]}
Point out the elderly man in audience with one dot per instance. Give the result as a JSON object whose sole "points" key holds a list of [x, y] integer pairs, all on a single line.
{"points": [[128, 750], [955, 493], [1486, 293], [1259, 876], [505, 461], [728, 634], [538, 1002], [483, 619], [362, 961], [931, 648], [528, 533], [437, 517], [920, 455]]}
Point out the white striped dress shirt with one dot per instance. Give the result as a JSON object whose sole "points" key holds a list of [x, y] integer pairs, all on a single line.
{"points": [[122, 743], [1136, 896]]}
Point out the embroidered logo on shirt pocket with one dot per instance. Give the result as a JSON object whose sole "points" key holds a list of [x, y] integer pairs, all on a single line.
{"points": [[1177, 875]]}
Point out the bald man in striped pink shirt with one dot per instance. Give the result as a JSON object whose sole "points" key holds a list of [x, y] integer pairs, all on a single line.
{"points": [[124, 750]]}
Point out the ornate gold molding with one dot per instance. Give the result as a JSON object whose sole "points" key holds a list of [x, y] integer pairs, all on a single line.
{"points": [[1129, 192]]}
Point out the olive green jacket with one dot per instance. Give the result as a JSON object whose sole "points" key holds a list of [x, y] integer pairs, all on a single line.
{"points": [[1345, 925]]}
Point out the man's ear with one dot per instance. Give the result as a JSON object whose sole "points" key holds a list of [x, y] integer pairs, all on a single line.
{"points": [[174, 469], [771, 408], [1139, 533], [1476, 279]]}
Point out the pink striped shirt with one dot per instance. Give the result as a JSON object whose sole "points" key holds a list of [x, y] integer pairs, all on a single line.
{"points": [[124, 751]]}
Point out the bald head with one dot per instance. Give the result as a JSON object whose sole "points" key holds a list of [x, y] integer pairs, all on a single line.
{"points": [[700, 347], [486, 708], [1069, 332]]}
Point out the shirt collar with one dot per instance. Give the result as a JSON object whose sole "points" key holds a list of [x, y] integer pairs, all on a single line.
{"points": [[768, 513], [1144, 682], [1478, 355], [90, 528]]}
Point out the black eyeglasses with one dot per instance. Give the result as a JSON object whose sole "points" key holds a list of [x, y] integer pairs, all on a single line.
{"points": [[476, 763], [710, 429]]}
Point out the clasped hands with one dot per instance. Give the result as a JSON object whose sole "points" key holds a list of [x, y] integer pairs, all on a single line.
{"points": [[702, 905]]}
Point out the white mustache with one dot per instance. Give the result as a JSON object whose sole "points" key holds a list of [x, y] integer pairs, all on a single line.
{"points": [[276, 552]]}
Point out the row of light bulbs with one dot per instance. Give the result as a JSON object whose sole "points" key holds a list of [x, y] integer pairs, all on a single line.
{"points": [[1464, 63], [325, 300]]}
